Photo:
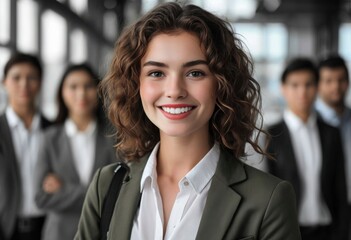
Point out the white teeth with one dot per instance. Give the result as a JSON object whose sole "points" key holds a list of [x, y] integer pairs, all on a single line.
{"points": [[176, 110]]}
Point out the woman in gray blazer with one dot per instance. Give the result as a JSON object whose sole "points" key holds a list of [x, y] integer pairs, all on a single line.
{"points": [[180, 92], [72, 151]]}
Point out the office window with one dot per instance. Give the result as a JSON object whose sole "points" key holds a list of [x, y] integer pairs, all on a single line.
{"points": [[54, 35], [345, 51], [110, 25], [147, 5], [4, 21], [27, 26], [345, 40], [78, 46], [4, 57], [276, 41], [252, 35], [78, 6]]}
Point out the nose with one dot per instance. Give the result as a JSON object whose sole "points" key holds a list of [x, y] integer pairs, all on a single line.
{"points": [[81, 92], [175, 87]]}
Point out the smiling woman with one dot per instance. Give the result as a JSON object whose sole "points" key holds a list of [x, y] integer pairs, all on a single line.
{"points": [[180, 92]]}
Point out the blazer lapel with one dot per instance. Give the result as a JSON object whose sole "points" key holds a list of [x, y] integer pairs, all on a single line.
{"points": [[127, 203], [222, 200], [63, 149], [9, 148]]}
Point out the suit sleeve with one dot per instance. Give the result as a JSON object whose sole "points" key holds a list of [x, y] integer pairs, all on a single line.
{"points": [[280, 219], [69, 198], [341, 223], [89, 223]]}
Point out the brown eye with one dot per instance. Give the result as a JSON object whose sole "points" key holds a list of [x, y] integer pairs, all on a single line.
{"points": [[156, 74], [196, 74]]}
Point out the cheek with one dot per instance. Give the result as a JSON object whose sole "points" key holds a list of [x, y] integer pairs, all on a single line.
{"points": [[148, 92], [35, 86], [68, 96]]}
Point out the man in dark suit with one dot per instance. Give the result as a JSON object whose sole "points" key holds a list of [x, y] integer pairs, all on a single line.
{"points": [[308, 153], [21, 134]]}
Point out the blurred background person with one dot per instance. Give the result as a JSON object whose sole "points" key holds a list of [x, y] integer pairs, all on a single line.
{"points": [[71, 153], [308, 153], [21, 129], [331, 105]]}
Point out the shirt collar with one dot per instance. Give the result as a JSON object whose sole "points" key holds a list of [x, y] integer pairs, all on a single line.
{"points": [[198, 177], [295, 123], [328, 113], [203, 172], [14, 120], [72, 130]]}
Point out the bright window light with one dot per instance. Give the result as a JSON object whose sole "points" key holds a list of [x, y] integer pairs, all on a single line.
{"points": [[241, 8], [79, 46], [252, 36], [78, 6], [54, 36], [27, 26], [345, 40], [277, 41], [4, 21], [147, 5], [218, 7]]}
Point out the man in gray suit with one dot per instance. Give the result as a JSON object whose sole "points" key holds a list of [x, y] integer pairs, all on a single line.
{"points": [[21, 129]]}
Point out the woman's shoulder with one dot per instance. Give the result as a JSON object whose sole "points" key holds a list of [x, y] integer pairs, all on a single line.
{"points": [[53, 130], [265, 184]]}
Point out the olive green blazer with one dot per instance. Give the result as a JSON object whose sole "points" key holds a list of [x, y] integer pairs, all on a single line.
{"points": [[243, 203]]}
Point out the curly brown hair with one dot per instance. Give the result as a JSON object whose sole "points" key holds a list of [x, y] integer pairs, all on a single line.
{"points": [[238, 94]]}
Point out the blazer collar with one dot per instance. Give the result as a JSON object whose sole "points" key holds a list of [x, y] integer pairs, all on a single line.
{"points": [[218, 212], [222, 200]]}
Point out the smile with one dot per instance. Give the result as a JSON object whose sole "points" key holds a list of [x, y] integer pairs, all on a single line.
{"points": [[178, 110]]}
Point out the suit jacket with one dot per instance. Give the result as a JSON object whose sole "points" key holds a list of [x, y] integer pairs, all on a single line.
{"points": [[64, 207], [10, 183], [332, 172], [242, 203]]}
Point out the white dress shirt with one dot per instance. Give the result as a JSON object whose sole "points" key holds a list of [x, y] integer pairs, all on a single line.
{"points": [[26, 143], [344, 124], [307, 149], [83, 144], [188, 207]]}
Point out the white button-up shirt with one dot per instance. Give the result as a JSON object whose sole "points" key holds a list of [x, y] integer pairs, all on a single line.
{"points": [[307, 149], [344, 124], [83, 145], [26, 143], [188, 207]]}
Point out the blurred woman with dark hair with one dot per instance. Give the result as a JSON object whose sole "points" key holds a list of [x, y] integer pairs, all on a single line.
{"points": [[72, 151]]}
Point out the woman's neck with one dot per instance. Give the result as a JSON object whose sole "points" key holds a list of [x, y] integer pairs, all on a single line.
{"points": [[177, 156], [82, 122]]}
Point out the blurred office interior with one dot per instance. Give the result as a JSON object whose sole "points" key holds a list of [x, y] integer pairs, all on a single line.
{"points": [[73, 31]]}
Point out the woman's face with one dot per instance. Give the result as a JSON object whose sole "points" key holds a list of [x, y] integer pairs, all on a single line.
{"points": [[22, 83], [79, 93], [177, 88]]}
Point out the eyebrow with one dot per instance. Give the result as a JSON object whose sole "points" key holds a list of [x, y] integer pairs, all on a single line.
{"points": [[188, 64]]}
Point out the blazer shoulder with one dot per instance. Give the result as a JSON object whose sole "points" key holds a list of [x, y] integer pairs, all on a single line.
{"points": [[261, 179], [53, 131], [277, 127], [324, 126]]}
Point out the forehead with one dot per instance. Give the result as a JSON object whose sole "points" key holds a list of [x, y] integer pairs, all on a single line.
{"points": [[335, 71], [78, 76], [303, 76], [173, 46], [23, 67]]}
